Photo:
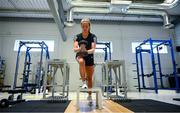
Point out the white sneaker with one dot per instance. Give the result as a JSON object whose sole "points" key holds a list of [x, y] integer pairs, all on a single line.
{"points": [[84, 86]]}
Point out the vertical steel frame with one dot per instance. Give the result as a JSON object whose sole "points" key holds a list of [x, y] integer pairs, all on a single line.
{"points": [[139, 64], [43, 47]]}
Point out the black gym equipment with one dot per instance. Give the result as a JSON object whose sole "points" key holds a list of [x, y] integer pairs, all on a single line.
{"points": [[147, 105], [5, 88], [120, 99], [83, 52], [37, 106], [178, 48], [4, 103], [176, 99], [11, 101], [56, 99]]}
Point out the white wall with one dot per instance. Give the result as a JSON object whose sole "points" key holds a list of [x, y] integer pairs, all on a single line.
{"points": [[1, 46], [177, 31], [121, 35]]}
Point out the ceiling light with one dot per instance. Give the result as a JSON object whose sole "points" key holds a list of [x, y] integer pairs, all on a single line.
{"points": [[168, 1]]}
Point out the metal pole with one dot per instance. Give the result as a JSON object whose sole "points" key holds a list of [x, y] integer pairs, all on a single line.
{"points": [[25, 71], [105, 52], [142, 68], [116, 81], [53, 81], [153, 67], [67, 81], [45, 79], [120, 74], [107, 75], [64, 77], [124, 78], [159, 65], [109, 46], [17, 65], [137, 67], [40, 66]]}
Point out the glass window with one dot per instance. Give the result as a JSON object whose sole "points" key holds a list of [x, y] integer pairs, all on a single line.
{"points": [[162, 48], [99, 47], [49, 43]]}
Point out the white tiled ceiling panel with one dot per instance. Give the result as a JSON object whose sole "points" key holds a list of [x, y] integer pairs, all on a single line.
{"points": [[24, 4], [31, 4], [5, 4]]}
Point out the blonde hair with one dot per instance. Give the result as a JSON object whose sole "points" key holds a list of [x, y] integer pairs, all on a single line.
{"points": [[86, 20]]}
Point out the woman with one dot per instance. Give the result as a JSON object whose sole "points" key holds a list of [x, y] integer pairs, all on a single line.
{"points": [[86, 62]]}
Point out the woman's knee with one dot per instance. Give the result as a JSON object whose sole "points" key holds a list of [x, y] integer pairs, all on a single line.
{"points": [[81, 61]]}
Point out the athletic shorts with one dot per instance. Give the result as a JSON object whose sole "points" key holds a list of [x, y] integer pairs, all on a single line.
{"points": [[89, 60]]}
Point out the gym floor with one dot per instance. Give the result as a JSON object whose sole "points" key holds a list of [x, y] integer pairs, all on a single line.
{"points": [[163, 96], [137, 47]]}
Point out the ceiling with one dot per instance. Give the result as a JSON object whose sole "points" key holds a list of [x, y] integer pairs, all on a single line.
{"points": [[134, 1], [40, 8], [25, 8]]}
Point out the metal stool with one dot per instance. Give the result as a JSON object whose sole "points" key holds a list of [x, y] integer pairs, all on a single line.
{"points": [[94, 90]]}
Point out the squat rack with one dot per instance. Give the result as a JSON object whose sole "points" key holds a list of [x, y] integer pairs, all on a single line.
{"points": [[27, 61], [140, 72]]}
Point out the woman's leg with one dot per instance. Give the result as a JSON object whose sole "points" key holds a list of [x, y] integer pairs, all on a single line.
{"points": [[89, 72], [82, 68]]}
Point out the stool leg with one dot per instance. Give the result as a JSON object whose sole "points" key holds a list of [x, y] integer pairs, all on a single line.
{"points": [[77, 102], [97, 99], [100, 99]]}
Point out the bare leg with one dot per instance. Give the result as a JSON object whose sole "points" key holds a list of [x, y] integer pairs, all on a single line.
{"points": [[82, 68], [89, 71]]}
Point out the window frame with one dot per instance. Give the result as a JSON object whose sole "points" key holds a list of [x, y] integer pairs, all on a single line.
{"points": [[147, 46], [49, 43]]}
